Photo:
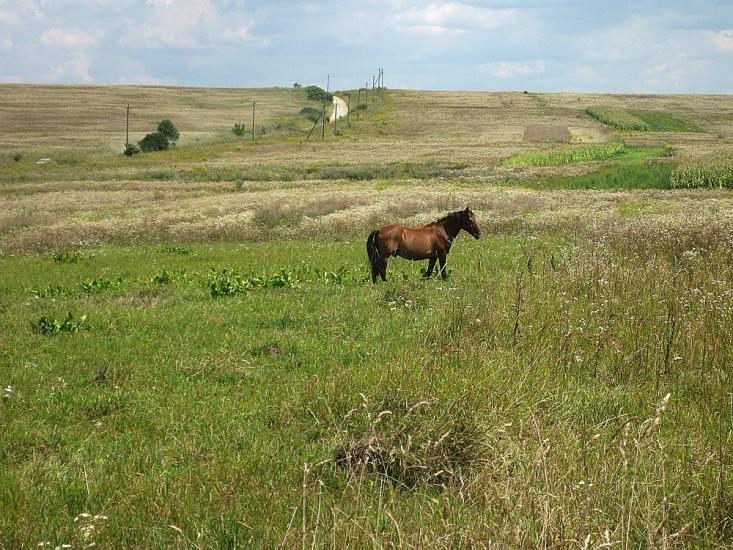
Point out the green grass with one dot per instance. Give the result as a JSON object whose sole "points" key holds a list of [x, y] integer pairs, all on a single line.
{"points": [[658, 121], [180, 417], [635, 168], [618, 118]]}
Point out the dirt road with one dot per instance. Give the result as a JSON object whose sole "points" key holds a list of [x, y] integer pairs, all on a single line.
{"points": [[340, 109]]}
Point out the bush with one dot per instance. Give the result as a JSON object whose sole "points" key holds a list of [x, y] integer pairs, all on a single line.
{"points": [[131, 149], [318, 94], [239, 129], [154, 142], [17, 157], [168, 130], [311, 113]]}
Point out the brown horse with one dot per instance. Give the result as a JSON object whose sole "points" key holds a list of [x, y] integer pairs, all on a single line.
{"points": [[430, 242]]}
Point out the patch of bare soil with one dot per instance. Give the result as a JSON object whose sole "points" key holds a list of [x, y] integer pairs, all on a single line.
{"points": [[547, 132]]}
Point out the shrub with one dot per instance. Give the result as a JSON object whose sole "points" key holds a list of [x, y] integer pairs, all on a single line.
{"points": [[618, 118], [131, 149], [712, 171], [318, 94], [17, 157], [49, 325], [297, 85], [154, 142], [311, 113], [166, 128], [239, 129]]}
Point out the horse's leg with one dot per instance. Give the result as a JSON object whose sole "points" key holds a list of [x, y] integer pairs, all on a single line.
{"points": [[431, 265], [375, 272], [383, 270], [442, 258]]}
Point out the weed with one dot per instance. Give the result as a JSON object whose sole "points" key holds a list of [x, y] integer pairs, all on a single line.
{"points": [[96, 286], [49, 325], [179, 250], [66, 257], [46, 292]]}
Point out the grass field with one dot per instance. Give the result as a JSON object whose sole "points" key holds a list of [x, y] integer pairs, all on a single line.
{"points": [[229, 378]]}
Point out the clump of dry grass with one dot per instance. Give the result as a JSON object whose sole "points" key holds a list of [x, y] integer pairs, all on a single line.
{"points": [[413, 445]]}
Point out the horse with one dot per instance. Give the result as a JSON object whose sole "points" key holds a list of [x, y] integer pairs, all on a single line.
{"points": [[430, 242]]}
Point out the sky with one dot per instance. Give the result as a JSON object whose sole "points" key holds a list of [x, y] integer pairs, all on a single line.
{"points": [[640, 46]]}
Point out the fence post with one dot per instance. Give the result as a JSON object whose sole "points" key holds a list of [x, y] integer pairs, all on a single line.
{"points": [[348, 110], [358, 103], [127, 128], [335, 117]]}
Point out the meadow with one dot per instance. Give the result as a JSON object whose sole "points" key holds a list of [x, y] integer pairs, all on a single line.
{"points": [[192, 355]]}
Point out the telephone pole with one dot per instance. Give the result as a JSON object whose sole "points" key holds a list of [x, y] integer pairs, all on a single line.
{"points": [[253, 122]]}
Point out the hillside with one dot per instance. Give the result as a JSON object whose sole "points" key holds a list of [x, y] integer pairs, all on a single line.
{"points": [[193, 354]]}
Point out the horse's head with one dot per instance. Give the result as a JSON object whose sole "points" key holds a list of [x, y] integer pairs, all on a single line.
{"points": [[468, 223]]}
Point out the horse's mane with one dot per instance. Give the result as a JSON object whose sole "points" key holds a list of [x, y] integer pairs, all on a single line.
{"points": [[448, 217]]}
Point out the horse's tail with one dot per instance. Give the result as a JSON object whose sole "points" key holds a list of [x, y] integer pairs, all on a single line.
{"points": [[373, 248]]}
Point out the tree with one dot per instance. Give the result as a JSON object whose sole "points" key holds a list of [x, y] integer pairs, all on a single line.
{"points": [[168, 130], [154, 142]]}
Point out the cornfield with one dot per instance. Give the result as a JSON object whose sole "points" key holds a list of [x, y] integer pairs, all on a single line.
{"points": [[711, 171], [618, 118], [569, 155]]}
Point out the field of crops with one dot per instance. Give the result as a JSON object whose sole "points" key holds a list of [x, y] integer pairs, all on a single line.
{"points": [[192, 354]]}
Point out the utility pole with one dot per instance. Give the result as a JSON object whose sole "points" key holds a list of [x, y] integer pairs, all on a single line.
{"points": [[328, 83], [373, 82], [127, 128], [358, 103], [323, 123], [254, 140], [366, 93]]}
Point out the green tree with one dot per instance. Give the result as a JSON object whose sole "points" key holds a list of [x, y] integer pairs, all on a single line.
{"points": [[154, 142], [168, 130]]}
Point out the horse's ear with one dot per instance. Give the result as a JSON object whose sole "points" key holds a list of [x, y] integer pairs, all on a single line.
{"points": [[467, 210]]}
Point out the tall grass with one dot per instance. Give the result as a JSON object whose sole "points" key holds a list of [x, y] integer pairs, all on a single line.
{"points": [[549, 392], [618, 118]]}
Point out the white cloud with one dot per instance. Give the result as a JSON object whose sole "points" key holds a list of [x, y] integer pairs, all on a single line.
{"points": [[73, 39], [506, 69], [722, 40], [145, 80], [452, 18], [187, 24], [75, 69], [20, 13], [6, 42]]}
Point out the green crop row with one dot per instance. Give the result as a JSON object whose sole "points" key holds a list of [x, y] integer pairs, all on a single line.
{"points": [[570, 155], [711, 171], [618, 118]]}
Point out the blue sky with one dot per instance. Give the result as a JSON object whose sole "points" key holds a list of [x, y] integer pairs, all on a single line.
{"points": [[556, 45]]}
